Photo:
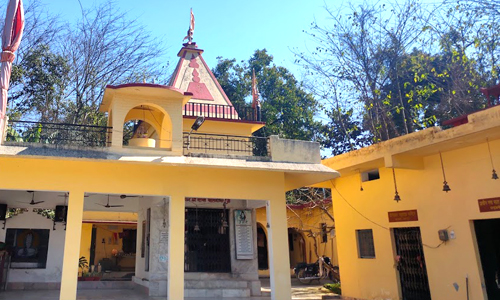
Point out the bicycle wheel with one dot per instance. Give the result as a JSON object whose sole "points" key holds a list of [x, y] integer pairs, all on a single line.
{"points": [[301, 276]]}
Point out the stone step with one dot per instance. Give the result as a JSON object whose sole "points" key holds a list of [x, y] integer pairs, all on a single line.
{"points": [[215, 284], [207, 276], [105, 285], [216, 293]]}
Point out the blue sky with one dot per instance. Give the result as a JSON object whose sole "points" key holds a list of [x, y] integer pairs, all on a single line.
{"points": [[231, 28]]}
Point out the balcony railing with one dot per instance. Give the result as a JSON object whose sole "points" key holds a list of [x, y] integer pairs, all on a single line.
{"points": [[218, 111], [226, 144], [57, 133]]}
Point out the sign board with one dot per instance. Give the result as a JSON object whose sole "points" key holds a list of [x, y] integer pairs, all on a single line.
{"points": [[163, 237], [403, 216], [490, 204], [244, 234]]}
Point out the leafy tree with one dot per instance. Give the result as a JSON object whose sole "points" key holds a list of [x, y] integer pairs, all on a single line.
{"points": [[287, 108], [44, 75]]}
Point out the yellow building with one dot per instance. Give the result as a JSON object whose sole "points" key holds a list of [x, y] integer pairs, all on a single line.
{"points": [[434, 243], [190, 196], [311, 233]]}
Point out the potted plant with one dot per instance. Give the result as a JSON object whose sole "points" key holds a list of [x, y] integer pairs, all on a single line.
{"points": [[82, 265]]}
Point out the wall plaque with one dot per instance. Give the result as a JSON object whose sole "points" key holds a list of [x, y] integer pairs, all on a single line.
{"points": [[244, 234], [490, 204], [403, 215]]}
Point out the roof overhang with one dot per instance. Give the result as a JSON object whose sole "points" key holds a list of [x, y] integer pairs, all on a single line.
{"points": [[408, 151], [141, 90]]}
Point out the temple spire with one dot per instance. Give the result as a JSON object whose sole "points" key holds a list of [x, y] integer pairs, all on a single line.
{"points": [[190, 31]]}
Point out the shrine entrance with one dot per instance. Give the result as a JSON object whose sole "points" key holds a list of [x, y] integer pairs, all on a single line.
{"points": [[207, 241]]}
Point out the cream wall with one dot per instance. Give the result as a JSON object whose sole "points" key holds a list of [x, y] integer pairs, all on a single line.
{"points": [[468, 172]]}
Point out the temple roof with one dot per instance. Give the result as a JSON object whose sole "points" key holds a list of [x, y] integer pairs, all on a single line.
{"points": [[193, 75]]}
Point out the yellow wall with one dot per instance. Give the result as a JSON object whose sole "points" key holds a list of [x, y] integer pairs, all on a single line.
{"points": [[106, 232], [305, 219], [86, 239], [468, 172]]}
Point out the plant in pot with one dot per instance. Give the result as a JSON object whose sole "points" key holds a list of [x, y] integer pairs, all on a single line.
{"points": [[82, 265]]}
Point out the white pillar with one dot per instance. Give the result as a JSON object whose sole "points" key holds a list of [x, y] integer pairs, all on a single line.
{"points": [[176, 247], [279, 261], [69, 277]]}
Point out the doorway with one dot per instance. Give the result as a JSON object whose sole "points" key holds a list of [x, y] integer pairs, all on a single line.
{"points": [[262, 248], [411, 264], [207, 241], [296, 246], [488, 242]]}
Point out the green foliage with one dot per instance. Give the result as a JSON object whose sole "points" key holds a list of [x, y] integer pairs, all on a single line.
{"points": [[334, 287], [83, 263], [287, 109]]}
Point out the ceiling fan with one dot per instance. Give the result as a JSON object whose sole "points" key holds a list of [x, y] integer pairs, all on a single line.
{"points": [[33, 202], [108, 206], [129, 196]]}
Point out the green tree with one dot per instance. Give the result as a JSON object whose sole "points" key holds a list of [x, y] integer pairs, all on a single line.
{"points": [[287, 108], [44, 76]]}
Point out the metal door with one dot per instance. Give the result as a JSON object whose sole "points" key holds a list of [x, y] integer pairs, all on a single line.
{"points": [[207, 241], [411, 264]]}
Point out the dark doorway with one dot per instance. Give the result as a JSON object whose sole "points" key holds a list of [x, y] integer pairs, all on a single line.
{"points": [[488, 242], [411, 264], [92, 247], [262, 248], [207, 241]]}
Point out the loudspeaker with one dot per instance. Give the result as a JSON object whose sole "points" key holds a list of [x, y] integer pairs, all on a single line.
{"points": [[61, 213], [3, 212]]}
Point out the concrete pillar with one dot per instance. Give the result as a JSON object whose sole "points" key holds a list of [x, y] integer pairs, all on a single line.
{"points": [[279, 261], [119, 114], [69, 277], [177, 216]]}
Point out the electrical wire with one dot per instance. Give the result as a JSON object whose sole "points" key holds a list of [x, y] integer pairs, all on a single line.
{"points": [[343, 198]]}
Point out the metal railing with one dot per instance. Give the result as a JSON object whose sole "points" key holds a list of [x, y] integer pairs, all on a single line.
{"points": [[57, 133], [192, 109], [225, 144]]}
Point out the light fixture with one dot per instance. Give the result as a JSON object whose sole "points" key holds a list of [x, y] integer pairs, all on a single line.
{"points": [[396, 194], [494, 175], [196, 125], [446, 187]]}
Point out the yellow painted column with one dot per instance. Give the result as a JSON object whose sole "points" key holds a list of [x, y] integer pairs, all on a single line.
{"points": [[176, 219], [69, 278], [279, 261]]}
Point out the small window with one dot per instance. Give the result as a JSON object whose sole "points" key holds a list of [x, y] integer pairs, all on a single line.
{"points": [[370, 175], [366, 249]]}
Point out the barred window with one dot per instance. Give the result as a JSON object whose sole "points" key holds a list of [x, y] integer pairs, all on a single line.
{"points": [[366, 249]]}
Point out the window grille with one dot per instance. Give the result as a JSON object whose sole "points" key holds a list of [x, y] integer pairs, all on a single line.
{"points": [[366, 248]]}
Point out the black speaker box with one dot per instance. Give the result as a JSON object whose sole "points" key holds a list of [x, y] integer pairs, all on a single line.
{"points": [[3, 212], [61, 213]]}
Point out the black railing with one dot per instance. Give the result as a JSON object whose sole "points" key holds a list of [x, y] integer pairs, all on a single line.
{"points": [[218, 111], [226, 144], [57, 133]]}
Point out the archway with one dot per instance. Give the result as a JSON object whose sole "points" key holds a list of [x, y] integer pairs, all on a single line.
{"points": [[262, 255], [147, 125], [296, 246]]}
